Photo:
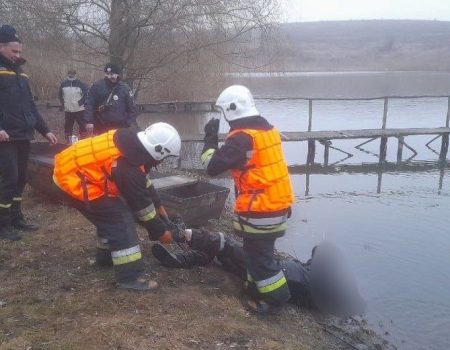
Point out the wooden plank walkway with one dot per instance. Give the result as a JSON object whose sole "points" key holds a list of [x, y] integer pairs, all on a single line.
{"points": [[341, 134]]}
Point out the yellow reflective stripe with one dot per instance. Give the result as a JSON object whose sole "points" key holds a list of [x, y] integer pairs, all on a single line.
{"points": [[10, 72], [147, 213], [148, 183], [125, 256], [127, 259], [17, 199], [206, 156], [148, 217], [250, 229], [5, 205], [271, 287]]}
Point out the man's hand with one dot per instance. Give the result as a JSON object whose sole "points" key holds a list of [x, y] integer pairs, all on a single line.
{"points": [[51, 138], [90, 129], [212, 127], [4, 137]]}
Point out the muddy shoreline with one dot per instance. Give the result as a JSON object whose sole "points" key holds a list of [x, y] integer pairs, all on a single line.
{"points": [[53, 296]]}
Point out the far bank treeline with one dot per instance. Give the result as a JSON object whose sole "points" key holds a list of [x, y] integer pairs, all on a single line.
{"points": [[182, 49], [172, 49]]}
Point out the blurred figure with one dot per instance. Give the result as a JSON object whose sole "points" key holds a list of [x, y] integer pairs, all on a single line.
{"points": [[323, 282], [110, 103], [19, 118], [72, 95]]}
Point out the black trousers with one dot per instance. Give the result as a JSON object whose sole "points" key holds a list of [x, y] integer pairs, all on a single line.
{"points": [[13, 175], [116, 233], [264, 271], [70, 119]]}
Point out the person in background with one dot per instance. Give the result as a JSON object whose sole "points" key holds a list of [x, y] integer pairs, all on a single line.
{"points": [[104, 177], [19, 118], [252, 152], [110, 104], [72, 94]]}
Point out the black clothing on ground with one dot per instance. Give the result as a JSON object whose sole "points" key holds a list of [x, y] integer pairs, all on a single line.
{"points": [[110, 106], [320, 283]]}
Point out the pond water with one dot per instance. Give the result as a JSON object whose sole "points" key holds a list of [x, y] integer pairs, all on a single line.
{"points": [[392, 226]]}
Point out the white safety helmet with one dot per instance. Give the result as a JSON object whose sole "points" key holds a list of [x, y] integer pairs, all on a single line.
{"points": [[161, 140], [236, 102]]}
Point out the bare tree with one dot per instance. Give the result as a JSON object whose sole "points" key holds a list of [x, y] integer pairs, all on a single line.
{"points": [[150, 37]]}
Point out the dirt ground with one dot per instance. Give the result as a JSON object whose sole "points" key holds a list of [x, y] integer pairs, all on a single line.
{"points": [[52, 296]]}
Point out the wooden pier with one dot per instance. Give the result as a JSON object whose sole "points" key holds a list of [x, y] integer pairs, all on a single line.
{"points": [[325, 137]]}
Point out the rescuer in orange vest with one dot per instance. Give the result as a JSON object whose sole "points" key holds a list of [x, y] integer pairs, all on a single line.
{"points": [[252, 152], [104, 178]]}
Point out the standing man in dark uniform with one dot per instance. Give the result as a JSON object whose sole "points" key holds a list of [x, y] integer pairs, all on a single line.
{"points": [[72, 95], [253, 154], [18, 119], [110, 103]]}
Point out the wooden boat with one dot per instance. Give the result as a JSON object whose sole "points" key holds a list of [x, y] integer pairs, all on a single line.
{"points": [[196, 201]]}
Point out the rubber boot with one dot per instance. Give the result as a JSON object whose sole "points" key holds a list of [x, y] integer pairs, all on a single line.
{"points": [[18, 220], [9, 234], [182, 259], [139, 284], [6, 231]]}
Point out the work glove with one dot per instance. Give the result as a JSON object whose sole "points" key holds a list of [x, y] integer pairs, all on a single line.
{"points": [[212, 127], [211, 135]]}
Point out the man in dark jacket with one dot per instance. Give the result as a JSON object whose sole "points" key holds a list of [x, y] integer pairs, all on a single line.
{"points": [[110, 103], [323, 282], [253, 154], [72, 94], [104, 178], [19, 118]]}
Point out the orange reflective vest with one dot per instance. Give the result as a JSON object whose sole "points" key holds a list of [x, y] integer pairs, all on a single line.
{"points": [[83, 170], [263, 185]]}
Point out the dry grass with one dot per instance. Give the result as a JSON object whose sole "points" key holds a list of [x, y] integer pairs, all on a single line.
{"points": [[53, 297]]}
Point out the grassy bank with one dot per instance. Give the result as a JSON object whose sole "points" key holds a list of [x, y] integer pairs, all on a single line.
{"points": [[52, 296]]}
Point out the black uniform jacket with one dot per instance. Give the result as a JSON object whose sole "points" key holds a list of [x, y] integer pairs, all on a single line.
{"points": [[119, 109], [232, 155], [18, 113], [132, 182]]}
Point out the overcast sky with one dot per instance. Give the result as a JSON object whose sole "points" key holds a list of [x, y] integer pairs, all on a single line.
{"points": [[331, 10]]}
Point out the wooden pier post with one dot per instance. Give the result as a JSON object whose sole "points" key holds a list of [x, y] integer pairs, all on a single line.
{"points": [[311, 152], [400, 149], [326, 153], [444, 147], [385, 113], [383, 147]]}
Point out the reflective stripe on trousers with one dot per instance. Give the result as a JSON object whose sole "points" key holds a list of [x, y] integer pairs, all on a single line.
{"points": [[125, 256], [272, 283]]}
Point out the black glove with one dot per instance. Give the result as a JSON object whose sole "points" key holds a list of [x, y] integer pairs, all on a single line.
{"points": [[212, 127], [177, 227]]}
